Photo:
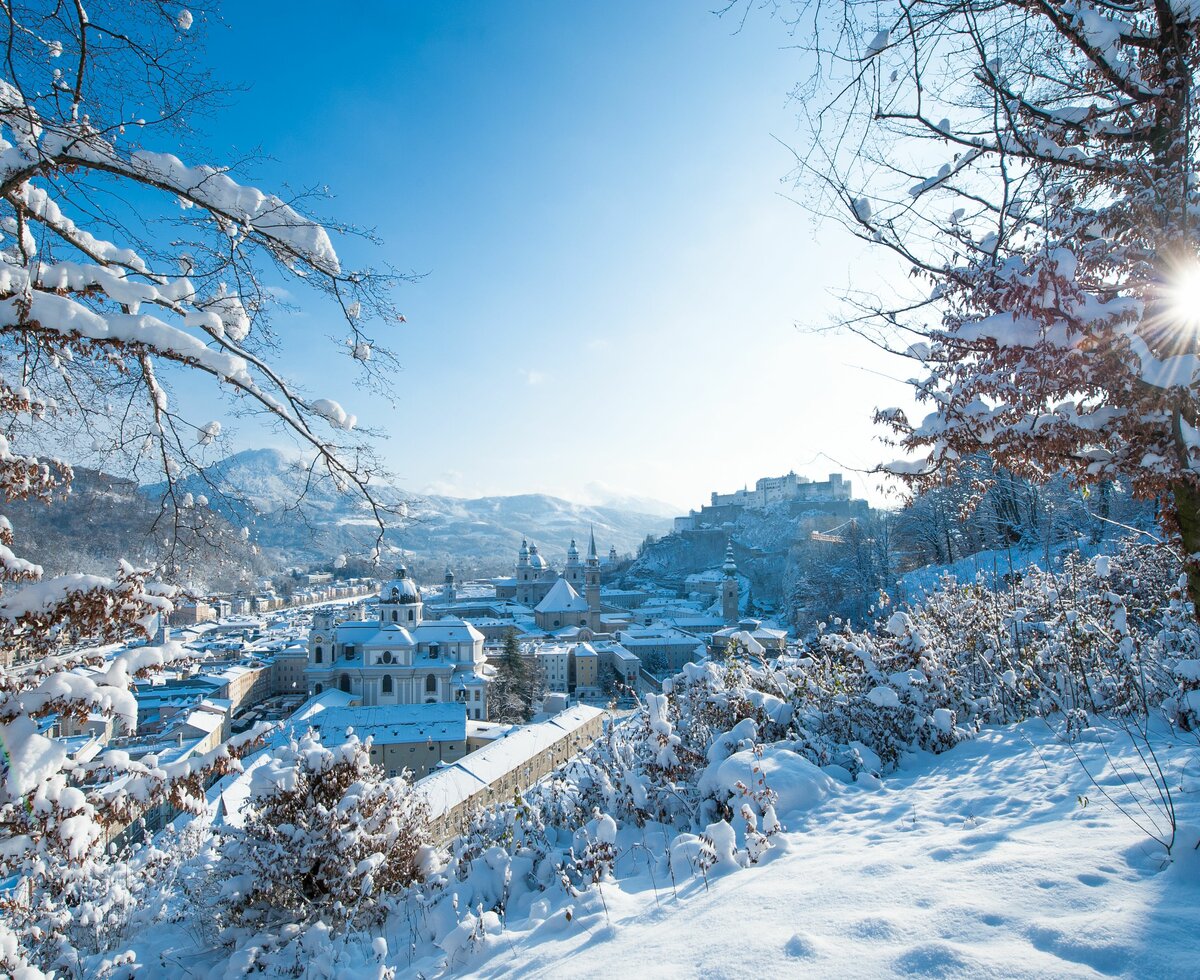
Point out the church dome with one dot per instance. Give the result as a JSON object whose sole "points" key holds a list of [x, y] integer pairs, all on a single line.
{"points": [[536, 560], [400, 589]]}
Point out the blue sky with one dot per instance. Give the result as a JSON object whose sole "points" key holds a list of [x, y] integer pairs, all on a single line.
{"points": [[612, 270]]}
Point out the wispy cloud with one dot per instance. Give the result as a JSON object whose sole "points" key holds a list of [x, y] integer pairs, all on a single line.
{"points": [[532, 376]]}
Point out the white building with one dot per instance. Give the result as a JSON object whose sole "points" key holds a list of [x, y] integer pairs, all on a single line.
{"points": [[400, 658]]}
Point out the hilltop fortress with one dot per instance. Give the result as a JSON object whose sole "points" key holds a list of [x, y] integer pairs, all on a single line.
{"points": [[831, 496]]}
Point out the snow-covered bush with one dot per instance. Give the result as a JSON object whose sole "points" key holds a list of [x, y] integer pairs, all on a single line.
{"points": [[68, 831], [325, 836], [1114, 635]]}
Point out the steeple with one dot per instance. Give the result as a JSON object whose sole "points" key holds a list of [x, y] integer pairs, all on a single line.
{"points": [[591, 583], [449, 592], [729, 586]]}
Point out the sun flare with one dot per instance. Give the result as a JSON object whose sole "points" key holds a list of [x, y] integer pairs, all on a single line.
{"points": [[1182, 295]]}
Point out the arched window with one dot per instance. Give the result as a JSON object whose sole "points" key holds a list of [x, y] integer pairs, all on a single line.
{"points": [[387, 684], [319, 655], [344, 683], [394, 616], [318, 688], [410, 615], [431, 684], [434, 650]]}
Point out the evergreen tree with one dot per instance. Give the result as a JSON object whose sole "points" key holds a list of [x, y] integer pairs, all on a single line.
{"points": [[512, 693]]}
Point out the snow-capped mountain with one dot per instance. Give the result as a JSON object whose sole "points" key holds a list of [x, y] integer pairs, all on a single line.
{"points": [[305, 517]]}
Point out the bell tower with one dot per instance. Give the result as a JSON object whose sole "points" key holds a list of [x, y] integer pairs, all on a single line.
{"points": [[591, 584], [729, 586], [573, 572]]}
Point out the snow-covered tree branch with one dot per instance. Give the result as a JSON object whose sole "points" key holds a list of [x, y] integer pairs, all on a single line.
{"points": [[129, 263], [1033, 167]]}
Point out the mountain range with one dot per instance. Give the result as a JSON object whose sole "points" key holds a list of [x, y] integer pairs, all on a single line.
{"points": [[304, 520]]}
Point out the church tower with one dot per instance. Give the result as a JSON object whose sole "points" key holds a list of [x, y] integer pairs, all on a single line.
{"points": [[449, 592], [591, 584], [573, 572], [521, 572], [729, 587], [400, 601]]}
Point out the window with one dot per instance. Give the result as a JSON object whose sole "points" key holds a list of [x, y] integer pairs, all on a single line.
{"points": [[319, 655], [387, 684], [394, 616], [431, 684], [351, 651], [410, 615], [434, 650], [344, 683], [317, 689], [386, 657], [477, 695]]}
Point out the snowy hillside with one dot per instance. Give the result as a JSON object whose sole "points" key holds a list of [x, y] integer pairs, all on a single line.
{"points": [[981, 862], [260, 488]]}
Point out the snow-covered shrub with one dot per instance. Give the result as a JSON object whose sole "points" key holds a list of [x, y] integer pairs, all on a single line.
{"points": [[68, 831], [1112, 635], [325, 836]]}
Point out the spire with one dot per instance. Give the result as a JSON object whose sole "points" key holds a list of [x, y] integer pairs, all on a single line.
{"points": [[592, 544], [730, 566]]}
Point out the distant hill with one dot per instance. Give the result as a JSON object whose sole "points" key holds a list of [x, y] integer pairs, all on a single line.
{"points": [[105, 518], [259, 489]]}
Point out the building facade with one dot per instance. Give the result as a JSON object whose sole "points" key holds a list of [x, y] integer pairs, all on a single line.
{"points": [[399, 657]]}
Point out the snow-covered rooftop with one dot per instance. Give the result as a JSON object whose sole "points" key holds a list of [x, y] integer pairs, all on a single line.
{"points": [[395, 723], [562, 599]]}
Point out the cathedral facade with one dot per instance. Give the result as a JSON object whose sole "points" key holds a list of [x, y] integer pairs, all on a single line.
{"points": [[399, 658]]}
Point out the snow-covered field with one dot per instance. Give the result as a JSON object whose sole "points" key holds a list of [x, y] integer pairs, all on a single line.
{"points": [[998, 858]]}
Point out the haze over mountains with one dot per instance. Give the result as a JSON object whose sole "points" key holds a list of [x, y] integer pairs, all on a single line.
{"points": [[259, 489]]}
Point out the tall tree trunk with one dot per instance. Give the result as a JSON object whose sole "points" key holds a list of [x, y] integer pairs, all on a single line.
{"points": [[1187, 514]]}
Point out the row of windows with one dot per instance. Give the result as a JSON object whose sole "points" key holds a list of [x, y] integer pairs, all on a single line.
{"points": [[350, 652]]}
